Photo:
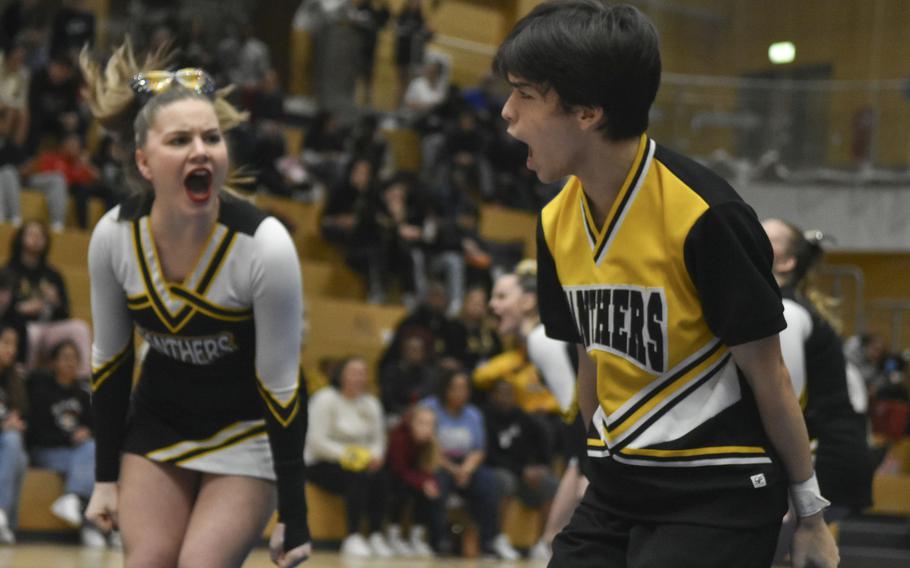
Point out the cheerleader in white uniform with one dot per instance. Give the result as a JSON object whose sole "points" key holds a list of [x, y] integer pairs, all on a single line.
{"points": [[189, 460]]}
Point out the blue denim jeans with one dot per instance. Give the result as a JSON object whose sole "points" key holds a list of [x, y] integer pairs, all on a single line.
{"points": [[76, 464], [13, 463]]}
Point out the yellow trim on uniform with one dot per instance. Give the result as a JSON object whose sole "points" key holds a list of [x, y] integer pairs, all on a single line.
{"points": [[664, 393], [199, 255], [601, 231], [238, 314], [694, 452], [271, 402], [596, 442], [113, 364], [149, 284], [165, 449], [227, 252], [242, 438]]}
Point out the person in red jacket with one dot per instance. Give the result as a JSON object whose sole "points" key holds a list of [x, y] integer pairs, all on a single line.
{"points": [[413, 459], [71, 162]]}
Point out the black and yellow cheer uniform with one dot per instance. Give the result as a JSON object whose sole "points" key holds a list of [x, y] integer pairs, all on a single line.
{"points": [[813, 352], [679, 272], [219, 390]]}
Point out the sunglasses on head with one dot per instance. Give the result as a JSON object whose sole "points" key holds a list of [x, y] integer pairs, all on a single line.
{"points": [[150, 83]]}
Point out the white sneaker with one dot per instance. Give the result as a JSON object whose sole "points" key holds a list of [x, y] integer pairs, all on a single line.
{"points": [[540, 551], [397, 543], [503, 548], [419, 544], [356, 546], [92, 538], [6, 533], [379, 546], [68, 509]]}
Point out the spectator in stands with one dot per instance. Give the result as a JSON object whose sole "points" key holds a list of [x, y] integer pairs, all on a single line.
{"points": [[515, 452], [463, 443], [426, 91], [345, 454], [348, 222], [81, 178], [411, 34], [867, 352], [414, 458], [405, 379], [53, 102], [448, 335], [368, 17], [13, 409], [22, 20], [14, 124], [324, 148], [40, 298], [60, 435], [9, 316], [397, 232], [195, 48], [442, 256], [482, 341], [368, 141], [464, 166], [73, 28]]}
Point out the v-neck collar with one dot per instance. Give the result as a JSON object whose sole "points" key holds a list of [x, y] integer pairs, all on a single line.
{"points": [[600, 237]]}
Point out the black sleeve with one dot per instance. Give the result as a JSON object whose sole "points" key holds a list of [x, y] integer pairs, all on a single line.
{"points": [[728, 256], [286, 438], [551, 300], [112, 384]]}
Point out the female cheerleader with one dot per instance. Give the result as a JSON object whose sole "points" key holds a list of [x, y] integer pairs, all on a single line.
{"points": [[188, 460]]}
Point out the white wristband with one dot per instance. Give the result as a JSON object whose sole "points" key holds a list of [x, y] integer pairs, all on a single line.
{"points": [[807, 497]]}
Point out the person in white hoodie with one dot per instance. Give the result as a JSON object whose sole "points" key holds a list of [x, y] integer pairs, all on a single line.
{"points": [[345, 454]]}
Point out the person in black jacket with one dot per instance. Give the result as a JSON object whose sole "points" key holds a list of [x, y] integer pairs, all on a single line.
{"points": [[60, 430], [515, 451], [40, 297]]}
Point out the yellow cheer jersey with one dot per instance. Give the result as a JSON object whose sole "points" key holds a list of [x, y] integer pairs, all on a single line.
{"points": [[679, 271]]}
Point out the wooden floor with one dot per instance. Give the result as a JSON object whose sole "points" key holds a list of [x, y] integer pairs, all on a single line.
{"points": [[70, 556]]}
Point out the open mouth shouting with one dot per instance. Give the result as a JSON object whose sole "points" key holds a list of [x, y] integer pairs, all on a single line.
{"points": [[198, 185]]}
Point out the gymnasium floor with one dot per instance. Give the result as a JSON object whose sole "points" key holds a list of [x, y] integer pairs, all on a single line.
{"points": [[34, 555]]}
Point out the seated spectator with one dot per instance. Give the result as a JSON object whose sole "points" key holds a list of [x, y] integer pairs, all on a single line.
{"points": [[347, 223], [483, 342], [443, 256], [68, 167], [867, 353], [448, 335], [73, 28], [14, 120], [514, 451], [324, 150], [397, 231], [13, 409], [53, 102], [463, 442], [427, 91], [60, 435], [345, 453], [413, 461], [406, 379], [463, 164], [41, 300]]}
